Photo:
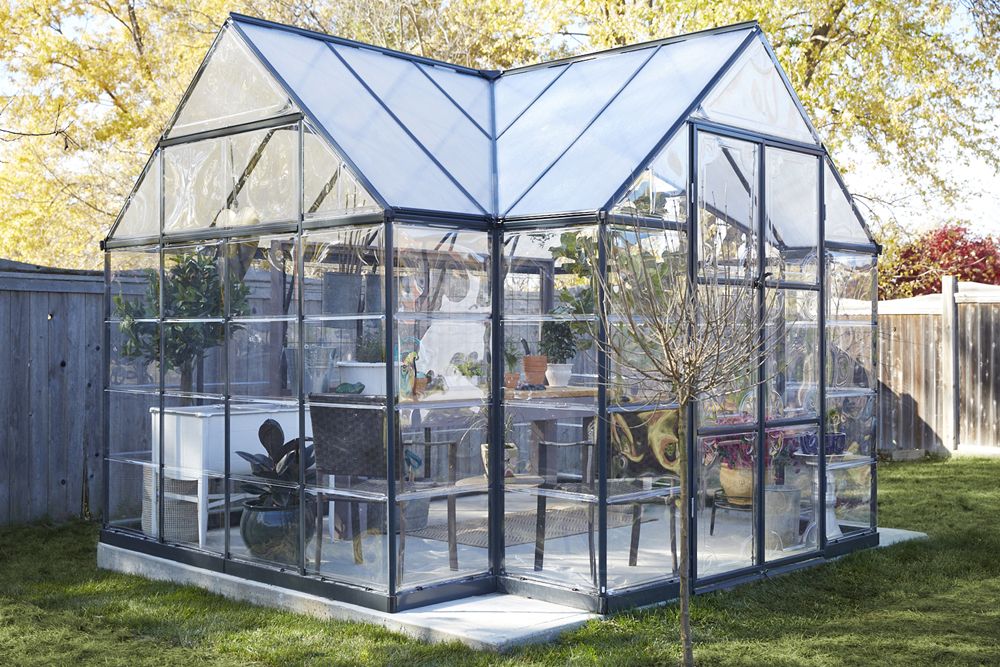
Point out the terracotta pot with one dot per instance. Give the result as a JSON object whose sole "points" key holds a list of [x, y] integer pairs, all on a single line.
{"points": [[534, 368], [419, 384], [511, 380], [737, 483]]}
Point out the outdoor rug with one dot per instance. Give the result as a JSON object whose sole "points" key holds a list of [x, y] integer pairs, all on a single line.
{"points": [[519, 527]]}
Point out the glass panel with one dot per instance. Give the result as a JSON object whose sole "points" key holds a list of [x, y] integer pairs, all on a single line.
{"points": [[726, 508], [194, 509], [792, 216], [364, 129], [645, 455], [851, 283], [134, 355], [130, 428], [471, 92], [442, 270], [461, 148], [850, 419], [328, 186], [842, 222], [350, 446], [270, 533], [563, 528], [132, 490], [545, 269], [550, 125], [661, 191], [194, 193], [135, 284], [344, 272], [793, 365], [515, 91], [194, 435], [727, 206], [445, 528], [247, 434], [261, 364], [752, 94], [851, 351], [643, 540], [450, 354], [626, 132], [340, 352], [260, 180], [852, 488], [788, 511], [262, 280], [141, 214], [232, 87]]}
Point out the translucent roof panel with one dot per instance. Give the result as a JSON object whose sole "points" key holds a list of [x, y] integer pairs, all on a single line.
{"points": [[261, 176], [399, 170], [141, 214], [556, 119], [627, 131], [660, 191], [842, 222], [231, 88], [328, 186], [517, 90], [194, 189], [752, 94], [461, 147], [471, 93], [792, 212]]}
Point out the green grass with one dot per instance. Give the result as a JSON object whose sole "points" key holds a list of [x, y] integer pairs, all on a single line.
{"points": [[934, 602]]}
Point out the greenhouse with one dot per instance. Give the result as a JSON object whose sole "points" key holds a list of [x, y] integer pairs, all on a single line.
{"points": [[358, 335]]}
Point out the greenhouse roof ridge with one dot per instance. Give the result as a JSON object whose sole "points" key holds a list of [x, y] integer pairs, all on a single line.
{"points": [[492, 74]]}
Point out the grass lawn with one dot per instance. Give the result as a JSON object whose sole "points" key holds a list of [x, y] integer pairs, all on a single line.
{"points": [[934, 602]]}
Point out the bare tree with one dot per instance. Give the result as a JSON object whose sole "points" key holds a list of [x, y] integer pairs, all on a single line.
{"points": [[685, 326]]}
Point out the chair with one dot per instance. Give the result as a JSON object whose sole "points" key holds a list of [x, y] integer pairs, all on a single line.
{"points": [[349, 439], [620, 492]]}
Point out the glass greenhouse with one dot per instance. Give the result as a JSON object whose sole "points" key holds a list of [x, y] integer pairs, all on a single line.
{"points": [[349, 282]]}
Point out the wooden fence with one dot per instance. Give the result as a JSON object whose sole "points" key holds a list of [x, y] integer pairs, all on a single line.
{"points": [[938, 382], [51, 417]]}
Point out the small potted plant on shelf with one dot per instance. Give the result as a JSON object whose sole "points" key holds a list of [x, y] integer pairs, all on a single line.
{"points": [[270, 522], [511, 355], [559, 346], [368, 365], [534, 366]]}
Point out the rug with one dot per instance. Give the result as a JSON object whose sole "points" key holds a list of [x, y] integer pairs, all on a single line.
{"points": [[519, 527]]}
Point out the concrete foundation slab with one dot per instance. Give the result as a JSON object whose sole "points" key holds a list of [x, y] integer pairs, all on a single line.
{"points": [[488, 622]]}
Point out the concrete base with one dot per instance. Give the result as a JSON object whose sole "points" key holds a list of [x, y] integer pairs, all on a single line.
{"points": [[907, 454], [488, 622]]}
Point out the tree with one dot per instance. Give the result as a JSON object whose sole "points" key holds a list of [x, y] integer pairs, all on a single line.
{"points": [[912, 82], [90, 85], [952, 249], [684, 336]]}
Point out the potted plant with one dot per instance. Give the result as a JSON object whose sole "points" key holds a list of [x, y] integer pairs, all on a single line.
{"points": [[737, 456], [270, 522], [511, 355], [534, 366], [368, 366], [836, 441], [559, 346]]}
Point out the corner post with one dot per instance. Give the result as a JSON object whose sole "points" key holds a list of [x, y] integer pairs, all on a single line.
{"points": [[949, 361]]}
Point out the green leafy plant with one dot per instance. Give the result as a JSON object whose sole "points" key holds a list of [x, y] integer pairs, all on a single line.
{"points": [[281, 465], [192, 290], [511, 354], [369, 348], [558, 340], [467, 365]]}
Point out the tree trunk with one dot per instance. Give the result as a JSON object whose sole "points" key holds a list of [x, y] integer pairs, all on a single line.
{"points": [[187, 381], [685, 566]]}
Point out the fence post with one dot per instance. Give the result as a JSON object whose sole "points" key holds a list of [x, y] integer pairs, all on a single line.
{"points": [[949, 362]]}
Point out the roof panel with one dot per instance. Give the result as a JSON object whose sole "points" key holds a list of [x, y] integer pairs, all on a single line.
{"points": [[470, 92], [842, 222], [627, 132], [753, 95], [384, 154], [437, 123], [515, 91], [554, 121], [141, 214]]}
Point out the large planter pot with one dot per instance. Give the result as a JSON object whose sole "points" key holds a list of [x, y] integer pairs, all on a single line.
{"points": [[534, 368], [737, 484], [272, 533], [415, 511], [559, 375], [372, 376], [782, 507]]}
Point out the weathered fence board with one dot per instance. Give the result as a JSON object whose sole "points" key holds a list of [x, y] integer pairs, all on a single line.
{"points": [[50, 392]]}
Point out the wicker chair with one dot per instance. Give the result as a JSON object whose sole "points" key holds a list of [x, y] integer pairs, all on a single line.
{"points": [[349, 438]]}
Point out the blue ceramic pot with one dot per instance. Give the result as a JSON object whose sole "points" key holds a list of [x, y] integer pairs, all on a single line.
{"points": [[836, 443]]}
